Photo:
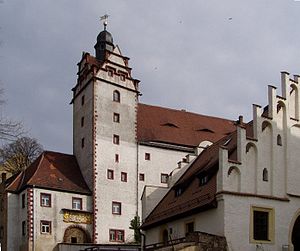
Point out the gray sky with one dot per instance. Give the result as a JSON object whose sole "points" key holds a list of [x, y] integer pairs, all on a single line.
{"points": [[213, 57]]}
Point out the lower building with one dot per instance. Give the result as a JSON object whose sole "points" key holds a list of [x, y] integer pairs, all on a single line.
{"points": [[245, 187]]}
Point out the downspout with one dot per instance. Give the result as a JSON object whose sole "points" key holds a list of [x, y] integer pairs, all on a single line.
{"points": [[143, 246]]}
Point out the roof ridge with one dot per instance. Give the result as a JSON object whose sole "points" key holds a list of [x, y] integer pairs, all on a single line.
{"points": [[49, 151], [184, 111]]}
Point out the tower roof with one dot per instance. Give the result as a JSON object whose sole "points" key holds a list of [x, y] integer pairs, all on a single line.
{"points": [[105, 37]]}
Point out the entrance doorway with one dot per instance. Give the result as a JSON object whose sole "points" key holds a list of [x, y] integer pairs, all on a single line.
{"points": [[75, 234], [296, 235]]}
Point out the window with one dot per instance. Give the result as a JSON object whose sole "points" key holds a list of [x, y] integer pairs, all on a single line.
{"points": [[189, 227], [122, 77], [178, 191], [45, 200], [142, 177], [73, 239], [82, 121], [116, 139], [116, 235], [82, 143], [110, 72], [117, 158], [110, 174], [262, 225], [23, 228], [76, 203], [116, 207], [116, 118], [265, 174], [123, 176], [23, 200], [147, 156], [279, 140], [203, 180], [82, 100], [164, 178], [45, 227], [116, 96]]}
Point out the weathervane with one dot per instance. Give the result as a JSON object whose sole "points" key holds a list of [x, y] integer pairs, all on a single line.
{"points": [[105, 20]]}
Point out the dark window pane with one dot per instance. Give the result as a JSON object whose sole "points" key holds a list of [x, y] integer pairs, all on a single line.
{"points": [[260, 225]]}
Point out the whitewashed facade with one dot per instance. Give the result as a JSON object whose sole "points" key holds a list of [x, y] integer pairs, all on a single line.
{"points": [[264, 177]]}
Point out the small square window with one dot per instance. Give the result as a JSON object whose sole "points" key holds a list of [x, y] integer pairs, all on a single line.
{"points": [[23, 228], [82, 100], [45, 200], [164, 178], [116, 139], [45, 227], [117, 158], [110, 174], [116, 207], [23, 200], [116, 118], [82, 143], [123, 176], [142, 177], [147, 156], [82, 121], [76, 203]]}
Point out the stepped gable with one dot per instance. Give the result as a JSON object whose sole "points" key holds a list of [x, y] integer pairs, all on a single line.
{"points": [[51, 170], [159, 124], [194, 198]]}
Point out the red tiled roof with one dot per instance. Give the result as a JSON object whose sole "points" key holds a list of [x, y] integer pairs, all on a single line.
{"points": [[158, 124], [195, 198], [52, 170]]}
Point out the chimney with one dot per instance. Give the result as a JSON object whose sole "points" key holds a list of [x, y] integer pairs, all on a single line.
{"points": [[240, 120]]}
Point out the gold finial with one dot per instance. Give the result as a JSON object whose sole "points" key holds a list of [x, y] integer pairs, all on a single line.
{"points": [[105, 20]]}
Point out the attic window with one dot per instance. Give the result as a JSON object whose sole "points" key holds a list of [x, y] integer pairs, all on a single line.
{"points": [[170, 125], [178, 191], [205, 130], [203, 180]]}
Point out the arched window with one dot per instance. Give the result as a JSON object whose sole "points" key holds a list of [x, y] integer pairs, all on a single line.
{"points": [[265, 174], [116, 96], [279, 140]]}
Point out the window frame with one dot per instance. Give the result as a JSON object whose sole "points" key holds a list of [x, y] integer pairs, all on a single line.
{"points": [[116, 139], [141, 177], [118, 206], [116, 117], [47, 224], [147, 156], [42, 199], [123, 176], [117, 158], [271, 224], [164, 175], [116, 96], [82, 100], [110, 174], [116, 235], [80, 203], [23, 200], [24, 228]]}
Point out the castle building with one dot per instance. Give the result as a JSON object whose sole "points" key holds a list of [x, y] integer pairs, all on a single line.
{"points": [[119, 146], [244, 187]]}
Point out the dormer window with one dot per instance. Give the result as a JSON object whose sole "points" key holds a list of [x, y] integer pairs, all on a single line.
{"points": [[116, 96], [203, 180], [178, 191]]}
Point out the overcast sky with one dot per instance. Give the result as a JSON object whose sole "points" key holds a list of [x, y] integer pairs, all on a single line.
{"points": [[214, 57]]}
